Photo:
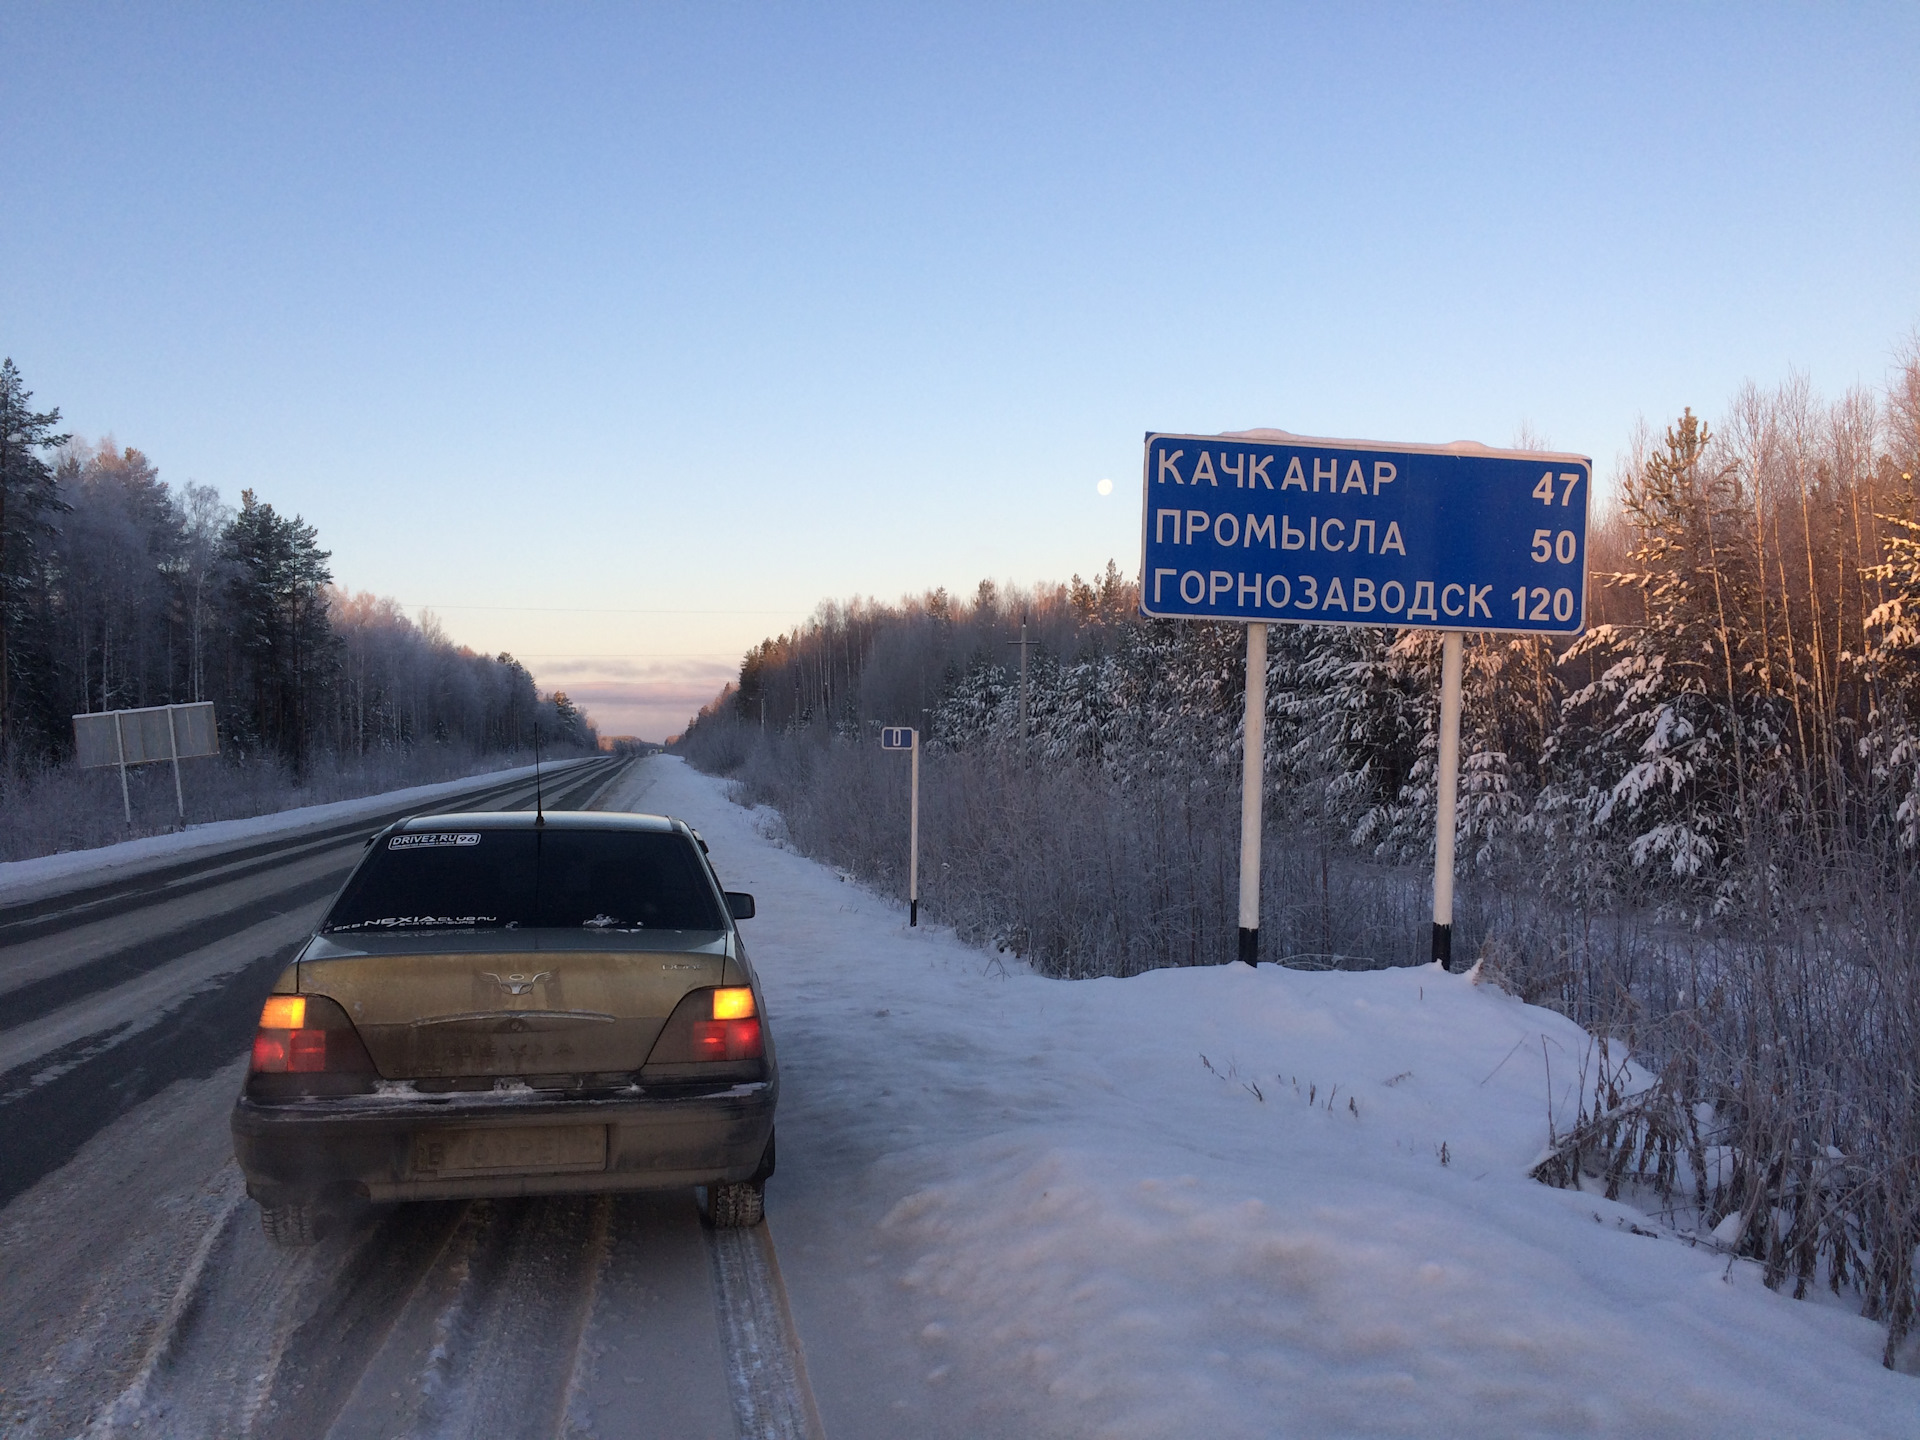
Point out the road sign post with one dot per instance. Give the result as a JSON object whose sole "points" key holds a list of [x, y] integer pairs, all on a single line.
{"points": [[903, 737], [1264, 527], [1252, 788], [1446, 799]]}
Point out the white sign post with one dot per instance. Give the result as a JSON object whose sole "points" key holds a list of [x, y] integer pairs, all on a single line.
{"points": [[1447, 800], [1252, 787], [1264, 527], [145, 737], [903, 737]]}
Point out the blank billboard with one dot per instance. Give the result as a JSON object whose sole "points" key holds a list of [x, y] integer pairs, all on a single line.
{"points": [[139, 737]]}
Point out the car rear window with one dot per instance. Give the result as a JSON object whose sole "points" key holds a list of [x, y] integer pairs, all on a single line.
{"points": [[552, 878]]}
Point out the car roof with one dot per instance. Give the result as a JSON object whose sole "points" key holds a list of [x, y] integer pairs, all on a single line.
{"points": [[552, 820]]}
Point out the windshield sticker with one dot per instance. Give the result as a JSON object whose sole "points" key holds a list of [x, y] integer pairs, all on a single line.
{"points": [[415, 922], [433, 837]]}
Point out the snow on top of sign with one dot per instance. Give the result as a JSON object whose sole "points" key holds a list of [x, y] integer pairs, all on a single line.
{"points": [[1452, 447]]}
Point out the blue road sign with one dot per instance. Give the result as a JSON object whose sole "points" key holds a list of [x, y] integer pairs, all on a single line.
{"points": [[896, 737], [1264, 525]]}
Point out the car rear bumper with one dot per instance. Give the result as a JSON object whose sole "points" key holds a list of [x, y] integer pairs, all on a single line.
{"points": [[404, 1147]]}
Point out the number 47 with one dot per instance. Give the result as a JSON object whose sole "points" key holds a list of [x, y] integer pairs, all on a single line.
{"points": [[1543, 492]]}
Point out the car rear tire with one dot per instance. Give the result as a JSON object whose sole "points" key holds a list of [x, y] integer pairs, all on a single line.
{"points": [[290, 1226], [736, 1204]]}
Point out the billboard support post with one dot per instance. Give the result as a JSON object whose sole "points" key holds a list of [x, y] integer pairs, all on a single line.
{"points": [[1252, 786], [1447, 783], [173, 747], [120, 744]]}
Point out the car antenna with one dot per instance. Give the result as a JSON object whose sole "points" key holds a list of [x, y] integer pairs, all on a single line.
{"points": [[539, 803]]}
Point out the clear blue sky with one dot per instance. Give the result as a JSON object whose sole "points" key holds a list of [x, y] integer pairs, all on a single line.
{"points": [[569, 310]]}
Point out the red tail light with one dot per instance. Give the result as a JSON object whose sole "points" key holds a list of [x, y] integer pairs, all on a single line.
{"points": [[709, 1029], [303, 1052], [308, 1035], [727, 1039]]}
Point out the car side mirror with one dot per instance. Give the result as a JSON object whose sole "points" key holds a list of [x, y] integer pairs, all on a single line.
{"points": [[740, 904]]}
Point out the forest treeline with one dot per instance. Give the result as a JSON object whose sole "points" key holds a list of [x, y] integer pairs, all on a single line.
{"points": [[119, 589], [1748, 688], [1695, 828]]}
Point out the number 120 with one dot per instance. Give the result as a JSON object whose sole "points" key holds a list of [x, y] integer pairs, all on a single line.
{"points": [[1560, 600]]}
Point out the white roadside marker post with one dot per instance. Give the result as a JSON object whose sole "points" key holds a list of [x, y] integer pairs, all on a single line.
{"points": [[1447, 789], [913, 840], [1252, 786], [902, 737]]}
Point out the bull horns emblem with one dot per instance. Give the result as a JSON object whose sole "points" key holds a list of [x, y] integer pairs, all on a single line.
{"points": [[518, 984]]}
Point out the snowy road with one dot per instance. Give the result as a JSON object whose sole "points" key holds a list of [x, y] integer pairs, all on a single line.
{"points": [[112, 986], [1216, 1201], [136, 1283], [151, 1301]]}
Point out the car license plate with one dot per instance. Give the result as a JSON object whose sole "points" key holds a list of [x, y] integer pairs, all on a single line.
{"points": [[514, 1150]]}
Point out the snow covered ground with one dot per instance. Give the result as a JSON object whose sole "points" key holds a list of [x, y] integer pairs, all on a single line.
{"points": [[1213, 1202], [1199, 1202]]}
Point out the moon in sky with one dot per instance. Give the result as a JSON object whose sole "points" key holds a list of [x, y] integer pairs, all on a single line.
{"points": [[1105, 487]]}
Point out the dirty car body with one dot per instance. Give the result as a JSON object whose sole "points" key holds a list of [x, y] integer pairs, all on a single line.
{"points": [[505, 1004]]}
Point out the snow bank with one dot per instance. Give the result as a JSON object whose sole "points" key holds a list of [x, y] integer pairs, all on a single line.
{"points": [[1182, 1255], [1231, 1202], [26, 879]]}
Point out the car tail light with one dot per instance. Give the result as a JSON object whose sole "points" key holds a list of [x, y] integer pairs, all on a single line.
{"points": [[727, 1039], [306, 1045], [711, 1033], [733, 1002]]}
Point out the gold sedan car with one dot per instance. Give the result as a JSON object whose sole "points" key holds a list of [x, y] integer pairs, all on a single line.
{"points": [[511, 1004]]}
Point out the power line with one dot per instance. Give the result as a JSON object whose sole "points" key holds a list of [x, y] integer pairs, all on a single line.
{"points": [[587, 610], [628, 654]]}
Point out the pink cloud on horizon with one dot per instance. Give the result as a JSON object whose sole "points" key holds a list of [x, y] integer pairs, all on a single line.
{"points": [[652, 708]]}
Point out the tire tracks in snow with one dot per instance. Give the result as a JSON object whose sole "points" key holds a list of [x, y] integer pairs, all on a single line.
{"points": [[128, 1405], [523, 1317], [766, 1371]]}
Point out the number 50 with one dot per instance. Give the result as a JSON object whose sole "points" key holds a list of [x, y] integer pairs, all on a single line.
{"points": [[1559, 547]]}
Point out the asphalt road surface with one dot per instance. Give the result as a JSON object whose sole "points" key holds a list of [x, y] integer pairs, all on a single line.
{"points": [[141, 1297]]}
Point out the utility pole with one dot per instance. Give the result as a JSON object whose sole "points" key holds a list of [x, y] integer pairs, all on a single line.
{"points": [[1023, 643]]}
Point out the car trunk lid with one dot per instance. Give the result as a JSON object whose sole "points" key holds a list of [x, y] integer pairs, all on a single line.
{"points": [[522, 1005]]}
